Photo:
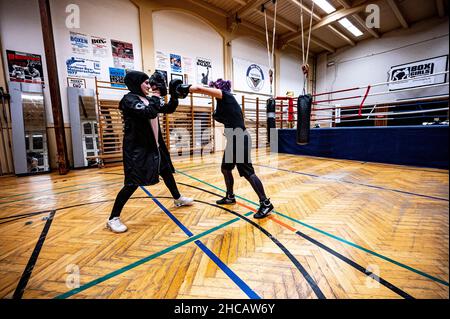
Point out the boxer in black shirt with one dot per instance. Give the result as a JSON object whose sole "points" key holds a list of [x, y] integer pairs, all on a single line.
{"points": [[238, 149]]}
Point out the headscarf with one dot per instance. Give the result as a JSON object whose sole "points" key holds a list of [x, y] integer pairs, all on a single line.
{"points": [[133, 81]]}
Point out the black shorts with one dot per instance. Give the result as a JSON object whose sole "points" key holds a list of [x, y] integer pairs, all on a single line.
{"points": [[238, 154]]}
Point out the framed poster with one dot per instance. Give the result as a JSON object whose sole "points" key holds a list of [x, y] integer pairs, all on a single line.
{"points": [[174, 76], [24, 67], [419, 73]]}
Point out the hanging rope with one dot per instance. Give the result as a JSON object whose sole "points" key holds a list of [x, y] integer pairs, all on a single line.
{"points": [[305, 54], [270, 52]]}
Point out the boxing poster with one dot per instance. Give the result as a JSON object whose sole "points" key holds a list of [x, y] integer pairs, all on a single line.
{"points": [[204, 74], [418, 74], [175, 63], [117, 75], [250, 77], [122, 54], [99, 47], [79, 43], [24, 67], [81, 67]]}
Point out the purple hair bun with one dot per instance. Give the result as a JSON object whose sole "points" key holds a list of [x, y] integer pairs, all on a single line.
{"points": [[220, 84]]}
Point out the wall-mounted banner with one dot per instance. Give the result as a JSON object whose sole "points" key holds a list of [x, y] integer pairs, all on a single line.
{"points": [[79, 43], [99, 47], [24, 67], [81, 67], [117, 75], [250, 77], [175, 63], [204, 71], [122, 54], [418, 74], [162, 60], [76, 83]]}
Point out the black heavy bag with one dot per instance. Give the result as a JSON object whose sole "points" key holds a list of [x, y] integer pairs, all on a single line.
{"points": [[304, 103], [271, 103]]}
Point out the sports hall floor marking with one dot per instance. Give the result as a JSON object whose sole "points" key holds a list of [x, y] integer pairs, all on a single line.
{"points": [[324, 247], [18, 293], [230, 273], [330, 235], [354, 183]]}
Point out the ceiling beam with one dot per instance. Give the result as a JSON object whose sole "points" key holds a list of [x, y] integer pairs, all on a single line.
{"points": [[209, 7], [360, 20], [398, 13], [326, 21], [247, 9], [261, 31], [241, 2], [319, 18], [440, 8]]}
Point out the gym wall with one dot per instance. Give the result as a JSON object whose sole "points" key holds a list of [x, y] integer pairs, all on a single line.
{"points": [[374, 58], [20, 30]]}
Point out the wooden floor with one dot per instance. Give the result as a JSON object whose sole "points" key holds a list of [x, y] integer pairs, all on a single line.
{"points": [[341, 229]]}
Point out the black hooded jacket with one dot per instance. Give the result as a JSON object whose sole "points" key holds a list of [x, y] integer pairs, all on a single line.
{"points": [[142, 160]]}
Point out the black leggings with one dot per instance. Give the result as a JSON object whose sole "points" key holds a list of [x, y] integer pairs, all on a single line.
{"points": [[127, 191], [254, 181]]}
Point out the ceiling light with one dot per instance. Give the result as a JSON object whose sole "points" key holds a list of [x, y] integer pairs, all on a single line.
{"points": [[350, 27], [325, 6]]}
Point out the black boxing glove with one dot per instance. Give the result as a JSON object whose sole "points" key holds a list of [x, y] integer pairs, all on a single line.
{"points": [[183, 90], [173, 85], [157, 79]]}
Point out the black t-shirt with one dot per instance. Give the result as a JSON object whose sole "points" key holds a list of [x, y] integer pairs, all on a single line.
{"points": [[228, 112]]}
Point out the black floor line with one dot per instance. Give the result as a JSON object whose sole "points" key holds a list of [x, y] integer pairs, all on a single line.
{"points": [[334, 253], [18, 293]]}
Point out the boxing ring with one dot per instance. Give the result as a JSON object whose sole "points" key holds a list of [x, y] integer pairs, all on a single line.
{"points": [[363, 125]]}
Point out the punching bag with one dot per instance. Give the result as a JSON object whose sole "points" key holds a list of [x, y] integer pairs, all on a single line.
{"points": [[304, 103], [271, 103]]}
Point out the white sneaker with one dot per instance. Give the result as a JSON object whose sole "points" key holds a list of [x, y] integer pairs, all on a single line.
{"points": [[184, 201], [116, 225]]}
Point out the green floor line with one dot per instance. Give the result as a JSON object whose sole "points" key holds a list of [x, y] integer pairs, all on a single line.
{"points": [[331, 235], [146, 259]]}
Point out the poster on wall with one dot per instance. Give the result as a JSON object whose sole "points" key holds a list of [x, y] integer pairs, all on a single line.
{"points": [[81, 67], [175, 63], [24, 67], [162, 60], [99, 47], [76, 83], [79, 43], [204, 67], [122, 54], [175, 76], [117, 75], [250, 77], [416, 74]]}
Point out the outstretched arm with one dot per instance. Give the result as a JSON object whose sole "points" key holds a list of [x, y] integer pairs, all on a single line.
{"points": [[207, 91]]}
